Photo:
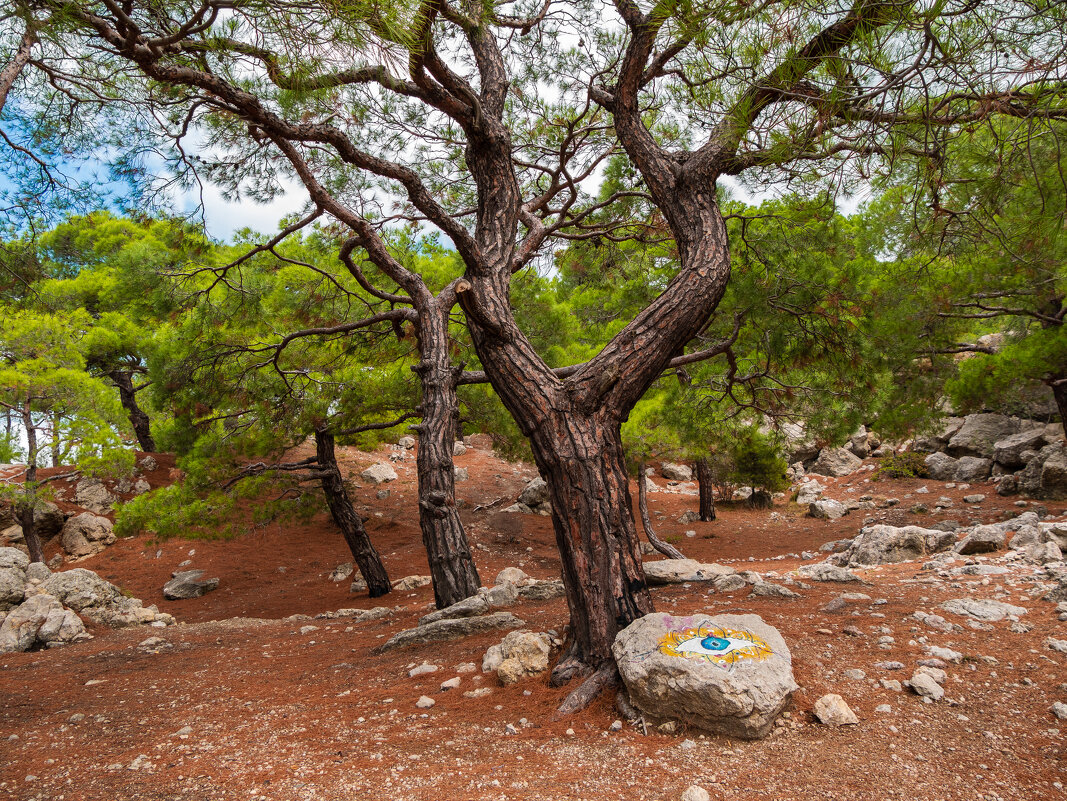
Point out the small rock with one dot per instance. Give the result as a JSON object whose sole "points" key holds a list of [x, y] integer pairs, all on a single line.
{"points": [[425, 702], [1059, 709], [422, 670], [695, 793], [451, 684], [379, 473], [832, 710], [925, 685]]}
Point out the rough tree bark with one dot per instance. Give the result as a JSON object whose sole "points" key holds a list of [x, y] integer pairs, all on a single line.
{"points": [[664, 548], [25, 506], [138, 418], [347, 519], [452, 567], [706, 485], [1059, 392]]}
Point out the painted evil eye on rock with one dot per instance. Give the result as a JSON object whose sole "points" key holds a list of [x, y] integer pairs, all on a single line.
{"points": [[719, 645], [711, 645]]}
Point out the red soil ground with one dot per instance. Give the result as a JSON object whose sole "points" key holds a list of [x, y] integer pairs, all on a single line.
{"points": [[241, 705]]}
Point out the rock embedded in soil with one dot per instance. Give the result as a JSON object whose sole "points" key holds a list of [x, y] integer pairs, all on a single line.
{"points": [[836, 462], [981, 539], [379, 473], [676, 472], [982, 609], [695, 793], [187, 584], [452, 629], [86, 534], [827, 572], [827, 509], [408, 583], [831, 710], [883, 545], [519, 655], [500, 597], [765, 589], [680, 571], [728, 674]]}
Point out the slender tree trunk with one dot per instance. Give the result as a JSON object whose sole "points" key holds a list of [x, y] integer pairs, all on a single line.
{"points": [[138, 419], [664, 548], [344, 514], [452, 567], [27, 503], [1059, 392], [55, 445], [706, 484]]}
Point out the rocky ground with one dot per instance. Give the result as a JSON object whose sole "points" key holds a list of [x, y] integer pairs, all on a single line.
{"points": [[256, 694]]}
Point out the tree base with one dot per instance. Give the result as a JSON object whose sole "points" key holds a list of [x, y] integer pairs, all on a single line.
{"points": [[603, 678]]}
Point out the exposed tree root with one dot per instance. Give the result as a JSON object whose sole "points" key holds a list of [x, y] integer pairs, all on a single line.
{"points": [[664, 548], [603, 678]]}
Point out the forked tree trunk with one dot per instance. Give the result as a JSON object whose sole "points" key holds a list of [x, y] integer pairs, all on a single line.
{"points": [[581, 458], [452, 567], [348, 520], [664, 548], [706, 484], [138, 419]]}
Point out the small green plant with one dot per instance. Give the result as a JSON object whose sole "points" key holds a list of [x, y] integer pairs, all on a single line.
{"points": [[902, 465]]}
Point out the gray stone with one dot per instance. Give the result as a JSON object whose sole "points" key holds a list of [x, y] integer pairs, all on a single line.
{"points": [[407, 443], [676, 472], [941, 466], [982, 539], [459, 448], [379, 473], [973, 468], [148, 464], [976, 498], [425, 702], [1059, 646], [86, 534], [832, 710], [823, 571], [82, 589], [882, 544], [534, 493], [827, 509], [1059, 709], [836, 462], [461, 474], [1044, 553], [13, 557], [731, 582], [12, 586], [452, 629], [512, 575], [47, 519], [689, 682], [1054, 475], [923, 684], [408, 583], [359, 584], [679, 571], [982, 609], [499, 597], [94, 496], [37, 572], [937, 440], [542, 590], [765, 589], [859, 443], [980, 433], [342, 571], [187, 584], [1009, 451], [61, 627], [695, 792], [20, 627], [519, 655], [809, 492]]}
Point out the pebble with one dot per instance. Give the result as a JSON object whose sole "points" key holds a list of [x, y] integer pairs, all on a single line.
{"points": [[451, 684], [616, 725], [422, 669], [889, 665], [1059, 709], [481, 692], [308, 629], [883, 708], [425, 702], [832, 710], [695, 792], [77, 717], [855, 674]]}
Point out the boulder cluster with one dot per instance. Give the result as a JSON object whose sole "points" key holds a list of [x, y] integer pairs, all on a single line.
{"points": [[42, 609]]}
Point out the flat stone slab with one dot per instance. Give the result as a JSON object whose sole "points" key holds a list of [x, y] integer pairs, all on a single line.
{"points": [[727, 674], [982, 609], [452, 629], [679, 571]]}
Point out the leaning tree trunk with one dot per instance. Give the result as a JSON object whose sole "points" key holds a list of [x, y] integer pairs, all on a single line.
{"points": [[138, 419], [452, 567], [706, 484], [344, 514], [1059, 392], [664, 548]]}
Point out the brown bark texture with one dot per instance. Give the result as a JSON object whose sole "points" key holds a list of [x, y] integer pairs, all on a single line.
{"points": [[25, 506], [455, 576], [347, 519], [138, 418], [706, 485]]}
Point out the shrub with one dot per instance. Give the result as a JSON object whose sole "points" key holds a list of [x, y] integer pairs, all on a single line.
{"points": [[903, 465]]}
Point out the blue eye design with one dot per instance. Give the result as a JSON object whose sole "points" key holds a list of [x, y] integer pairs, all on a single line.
{"points": [[718, 645]]}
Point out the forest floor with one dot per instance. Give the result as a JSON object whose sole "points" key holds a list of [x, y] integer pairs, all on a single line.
{"points": [[241, 701]]}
